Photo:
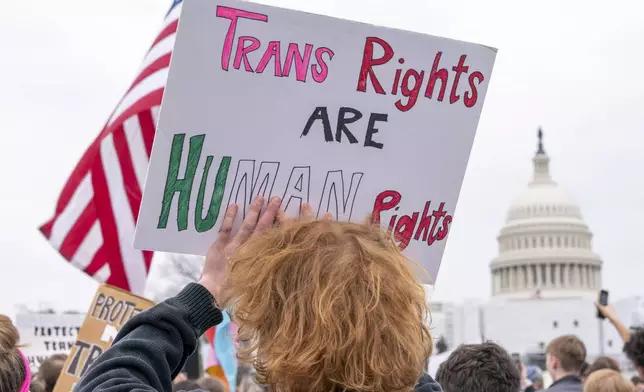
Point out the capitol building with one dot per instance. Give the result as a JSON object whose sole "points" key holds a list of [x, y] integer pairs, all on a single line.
{"points": [[544, 280], [545, 246]]}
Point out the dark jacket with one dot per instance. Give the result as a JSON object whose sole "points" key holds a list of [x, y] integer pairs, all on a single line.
{"points": [[567, 384], [151, 349]]}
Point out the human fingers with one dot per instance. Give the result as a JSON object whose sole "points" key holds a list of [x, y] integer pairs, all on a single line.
{"points": [[226, 229], [250, 222], [327, 216], [306, 212], [268, 216]]}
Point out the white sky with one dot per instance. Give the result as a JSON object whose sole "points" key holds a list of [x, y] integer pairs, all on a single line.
{"points": [[572, 66]]}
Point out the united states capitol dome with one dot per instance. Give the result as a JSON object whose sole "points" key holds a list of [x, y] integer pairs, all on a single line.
{"points": [[545, 247]]}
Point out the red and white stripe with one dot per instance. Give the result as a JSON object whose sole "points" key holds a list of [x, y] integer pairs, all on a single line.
{"points": [[93, 226]]}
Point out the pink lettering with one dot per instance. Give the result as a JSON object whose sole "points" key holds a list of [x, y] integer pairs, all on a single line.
{"points": [[233, 14], [301, 62], [248, 44], [243, 50], [321, 71], [273, 51]]}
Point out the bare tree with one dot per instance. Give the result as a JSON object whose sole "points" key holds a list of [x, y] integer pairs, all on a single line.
{"points": [[171, 272]]}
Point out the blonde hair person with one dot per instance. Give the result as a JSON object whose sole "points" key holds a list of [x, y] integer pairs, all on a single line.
{"points": [[328, 306], [321, 306], [607, 380]]}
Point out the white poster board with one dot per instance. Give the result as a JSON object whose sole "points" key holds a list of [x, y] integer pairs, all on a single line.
{"points": [[350, 117], [46, 334]]}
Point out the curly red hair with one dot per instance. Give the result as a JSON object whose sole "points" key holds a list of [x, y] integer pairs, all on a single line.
{"points": [[329, 306]]}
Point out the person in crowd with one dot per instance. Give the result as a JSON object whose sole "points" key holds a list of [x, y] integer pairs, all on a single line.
{"points": [[321, 306], [602, 363], [49, 371], [534, 378], [584, 371], [211, 384], [479, 368], [633, 340], [638, 383], [15, 375], [246, 379], [186, 386], [565, 357], [36, 385], [607, 380]]}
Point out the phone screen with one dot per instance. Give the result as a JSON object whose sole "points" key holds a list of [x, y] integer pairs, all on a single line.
{"points": [[603, 300], [603, 297]]}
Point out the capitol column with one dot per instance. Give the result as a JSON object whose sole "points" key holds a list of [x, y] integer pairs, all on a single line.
{"points": [[557, 283], [548, 282], [513, 278], [529, 274]]}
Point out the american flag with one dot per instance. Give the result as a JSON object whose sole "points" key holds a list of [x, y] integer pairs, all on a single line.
{"points": [[93, 226]]}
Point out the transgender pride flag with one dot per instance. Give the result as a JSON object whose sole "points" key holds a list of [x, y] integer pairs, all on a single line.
{"points": [[222, 352]]}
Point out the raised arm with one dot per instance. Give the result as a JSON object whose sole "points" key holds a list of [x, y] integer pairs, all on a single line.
{"points": [[151, 349]]}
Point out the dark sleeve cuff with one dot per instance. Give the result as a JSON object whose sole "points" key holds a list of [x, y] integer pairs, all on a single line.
{"points": [[200, 305]]}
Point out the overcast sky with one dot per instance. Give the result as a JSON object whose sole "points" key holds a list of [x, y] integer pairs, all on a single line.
{"points": [[572, 66]]}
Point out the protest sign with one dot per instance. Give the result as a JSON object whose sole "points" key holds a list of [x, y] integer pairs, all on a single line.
{"points": [[44, 334], [110, 310], [349, 117]]}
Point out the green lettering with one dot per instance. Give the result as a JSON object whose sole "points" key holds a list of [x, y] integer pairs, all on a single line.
{"points": [[184, 186], [206, 224]]}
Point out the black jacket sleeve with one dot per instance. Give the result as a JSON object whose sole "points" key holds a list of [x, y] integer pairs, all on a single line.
{"points": [[151, 348]]}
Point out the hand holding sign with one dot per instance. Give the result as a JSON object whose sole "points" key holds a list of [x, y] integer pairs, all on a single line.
{"points": [[349, 118], [214, 270]]}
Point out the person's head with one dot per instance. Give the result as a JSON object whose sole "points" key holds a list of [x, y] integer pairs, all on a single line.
{"points": [[185, 385], [211, 384], [607, 380], [602, 363], [634, 349], [638, 383], [326, 306], [50, 369], [36, 385], [14, 368], [479, 368], [565, 356]]}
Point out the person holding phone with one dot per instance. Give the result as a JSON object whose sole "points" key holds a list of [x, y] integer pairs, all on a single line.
{"points": [[633, 339]]}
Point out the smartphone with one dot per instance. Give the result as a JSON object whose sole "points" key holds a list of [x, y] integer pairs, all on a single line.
{"points": [[603, 300]]}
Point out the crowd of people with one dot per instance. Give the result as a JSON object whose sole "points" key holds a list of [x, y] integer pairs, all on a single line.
{"points": [[321, 306], [245, 382]]}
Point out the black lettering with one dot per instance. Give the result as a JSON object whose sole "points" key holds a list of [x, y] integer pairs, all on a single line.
{"points": [[95, 351], [320, 113], [342, 124], [73, 365], [116, 311], [57, 331], [371, 130], [100, 300], [106, 308], [128, 309], [46, 342]]}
